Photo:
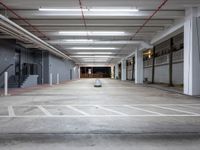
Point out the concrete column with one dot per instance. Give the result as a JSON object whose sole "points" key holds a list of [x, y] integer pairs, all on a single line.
{"points": [[123, 70], [112, 72], [79, 72], [139, 67], [51, 79], [116, 71], [5, 83], [58, 79], [192, 52]]}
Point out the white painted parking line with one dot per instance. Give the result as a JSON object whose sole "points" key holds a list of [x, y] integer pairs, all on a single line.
{"points": [[189, 106], [111, 110], [44, 111], [103, 107], [11, 111], [174, 109], [77, 110], [141, 109], [134, 105], [96, 116]]}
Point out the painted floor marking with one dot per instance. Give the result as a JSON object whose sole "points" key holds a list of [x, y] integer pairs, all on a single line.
{"points": [[46, 112], [133, 105], [96, 116], [174, 109], [83, 114], [144, 110], [189, 106], [111, 110], [77, 110], [11, 111]]}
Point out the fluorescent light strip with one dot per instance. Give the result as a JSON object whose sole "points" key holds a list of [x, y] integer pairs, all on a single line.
{"points": [[92, 59], [80, 41], [89, 56], [113, 10], [61, 9], [90, 41], [93, 48], [92, 33], [89, 10], [92, 53]]}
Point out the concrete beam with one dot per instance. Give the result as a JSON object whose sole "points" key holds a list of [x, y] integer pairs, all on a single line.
{"points": [[175, 29]]}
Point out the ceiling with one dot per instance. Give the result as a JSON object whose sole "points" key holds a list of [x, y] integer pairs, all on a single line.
{"points": [[103, 34]]}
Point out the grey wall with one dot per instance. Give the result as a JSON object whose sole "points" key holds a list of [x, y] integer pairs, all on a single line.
{"points": [[177, 74], [129, 72], [62, 67], [148, 73], [47, 63], [45, 67], [7, 55], [161, 74]]}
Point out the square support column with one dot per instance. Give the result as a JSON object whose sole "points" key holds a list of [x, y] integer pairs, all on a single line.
{"points": [[116, 71], [192, 52], [112, 72], [139, 67], [79, 72], [123, 70]]}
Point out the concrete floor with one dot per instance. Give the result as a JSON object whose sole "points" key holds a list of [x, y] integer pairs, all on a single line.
{"points": [[118, 116]]}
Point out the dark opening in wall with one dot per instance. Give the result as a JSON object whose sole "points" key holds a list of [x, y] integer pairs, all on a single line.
{"points": [[95, 72]]}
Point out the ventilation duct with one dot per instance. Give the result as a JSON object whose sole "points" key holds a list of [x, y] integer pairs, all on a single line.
{"points": [[9, 27]]}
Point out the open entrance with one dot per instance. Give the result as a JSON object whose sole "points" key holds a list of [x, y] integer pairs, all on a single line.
{"points": [[95, 72]]}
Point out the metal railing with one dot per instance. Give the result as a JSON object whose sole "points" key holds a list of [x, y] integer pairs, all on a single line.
{"points": [[6, 69]]}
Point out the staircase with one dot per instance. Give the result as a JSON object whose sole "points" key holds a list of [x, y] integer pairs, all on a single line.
{"points": [[12, 82], [31, 80]]}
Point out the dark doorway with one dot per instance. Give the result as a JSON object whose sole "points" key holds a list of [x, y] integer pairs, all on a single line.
{"points": [[70, 74], [119, 71], [18, 67], [30, 69]]}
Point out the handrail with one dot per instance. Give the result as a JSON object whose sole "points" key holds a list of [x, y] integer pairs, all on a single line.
{"points": [[6, 69]]}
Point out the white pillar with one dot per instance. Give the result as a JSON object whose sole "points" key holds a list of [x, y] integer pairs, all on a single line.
{"points": [[58, 79], [192, 52], [5, 83], [138, 67], [79, 72], [50, 79], [116, 71], [123, 70], [112, 72]]}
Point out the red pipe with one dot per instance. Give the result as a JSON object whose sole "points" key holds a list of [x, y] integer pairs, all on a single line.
{"points": [[23, 19], [150, 17], [83, 17]]}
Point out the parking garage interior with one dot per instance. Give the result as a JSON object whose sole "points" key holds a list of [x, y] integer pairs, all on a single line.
{"points": [[100, 74]]}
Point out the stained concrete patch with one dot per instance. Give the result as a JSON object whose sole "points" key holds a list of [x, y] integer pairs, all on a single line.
{"points": [[92, 110], [61, 110], [117, 132], [186, 108], [27, 110], [161, 110], [128, 111], [3, 111]]}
